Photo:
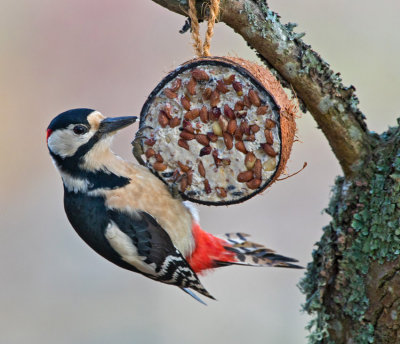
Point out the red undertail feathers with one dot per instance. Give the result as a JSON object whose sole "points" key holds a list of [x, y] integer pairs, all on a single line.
{"points": [[209, 251], [232, 248]]}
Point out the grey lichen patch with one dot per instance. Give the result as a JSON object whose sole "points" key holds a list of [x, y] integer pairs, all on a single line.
{"points": [[325, 104], [310, 61], [364, 229], [252, 18], [266, 22], [354, 133], [291, 69]]}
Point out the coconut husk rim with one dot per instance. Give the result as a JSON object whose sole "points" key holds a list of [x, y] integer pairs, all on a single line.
{"points": [[265, 81]]}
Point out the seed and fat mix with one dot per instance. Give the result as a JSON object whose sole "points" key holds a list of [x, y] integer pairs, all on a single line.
{"points": [[213, 131]]}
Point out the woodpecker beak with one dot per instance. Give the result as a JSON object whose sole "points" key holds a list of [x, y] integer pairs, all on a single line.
{"points": [[109, 125]]}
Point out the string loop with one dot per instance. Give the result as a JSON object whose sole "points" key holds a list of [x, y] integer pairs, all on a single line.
{"points": [[199, 48]]}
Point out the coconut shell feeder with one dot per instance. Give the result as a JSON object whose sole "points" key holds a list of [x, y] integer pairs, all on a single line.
{"points": [[219, 129]]}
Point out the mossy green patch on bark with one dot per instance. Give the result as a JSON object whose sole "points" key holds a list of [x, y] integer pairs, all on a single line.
{"points": [[364, 230]]}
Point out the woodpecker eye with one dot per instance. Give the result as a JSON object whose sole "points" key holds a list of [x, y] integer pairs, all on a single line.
{"points": [[80, 130]]}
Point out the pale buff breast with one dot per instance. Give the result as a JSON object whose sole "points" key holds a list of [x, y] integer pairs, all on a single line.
{"points": [[146, 192]]}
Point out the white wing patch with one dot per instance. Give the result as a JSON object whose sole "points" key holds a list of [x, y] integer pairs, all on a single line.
{"points": [[174, 269], [123, 245]]}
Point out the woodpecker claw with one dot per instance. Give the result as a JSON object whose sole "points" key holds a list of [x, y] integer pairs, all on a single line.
{"points": [[174, 186], [137, 150], [137, 147]]}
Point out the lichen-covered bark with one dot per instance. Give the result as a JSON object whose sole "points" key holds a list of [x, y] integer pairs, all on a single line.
{"points": [[352, 286]]}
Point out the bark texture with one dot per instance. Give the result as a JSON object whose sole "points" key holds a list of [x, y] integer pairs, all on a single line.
{"points": [[352, 285]]}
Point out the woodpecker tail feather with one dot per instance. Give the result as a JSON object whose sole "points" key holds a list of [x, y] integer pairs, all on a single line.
{"points": [[252, 254], [200, 289], [176, 271], [192, 294]]}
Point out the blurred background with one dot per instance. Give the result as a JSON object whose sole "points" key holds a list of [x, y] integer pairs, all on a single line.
{"points": [[109, 55]]}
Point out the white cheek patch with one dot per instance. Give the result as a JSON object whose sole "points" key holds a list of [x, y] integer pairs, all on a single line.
{"points": [[123, 245], [65, 143]]}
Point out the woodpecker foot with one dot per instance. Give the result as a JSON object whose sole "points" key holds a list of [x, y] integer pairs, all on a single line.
{"points": [[137, 147], [174, 191], [174, 186]]}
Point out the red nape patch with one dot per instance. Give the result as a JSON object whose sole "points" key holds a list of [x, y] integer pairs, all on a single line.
{"points": [[48, 133], [208, 249]]}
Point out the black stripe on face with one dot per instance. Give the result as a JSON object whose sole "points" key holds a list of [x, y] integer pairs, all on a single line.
{"points": [[70, 164], [101, 179]]}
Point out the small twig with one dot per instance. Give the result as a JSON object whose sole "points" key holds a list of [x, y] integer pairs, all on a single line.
{"points": [[293, 174]]}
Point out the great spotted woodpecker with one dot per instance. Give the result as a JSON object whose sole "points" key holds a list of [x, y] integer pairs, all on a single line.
{"points": [[128, 216]]}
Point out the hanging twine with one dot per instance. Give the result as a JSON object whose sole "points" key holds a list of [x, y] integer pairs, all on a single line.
{"points": [[203, 49]]}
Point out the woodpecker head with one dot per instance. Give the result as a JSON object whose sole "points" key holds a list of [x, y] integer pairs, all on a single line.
{"points": [[78, 136]]}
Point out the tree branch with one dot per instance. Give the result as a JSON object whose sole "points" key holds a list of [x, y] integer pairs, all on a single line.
{"points": [[333, 106]]}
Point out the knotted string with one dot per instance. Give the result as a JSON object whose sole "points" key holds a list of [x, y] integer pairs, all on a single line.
{"points": [[203, 49]]}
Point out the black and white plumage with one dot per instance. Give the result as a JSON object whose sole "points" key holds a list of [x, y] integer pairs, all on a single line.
{"points": [[129, 216], [110, 212]]}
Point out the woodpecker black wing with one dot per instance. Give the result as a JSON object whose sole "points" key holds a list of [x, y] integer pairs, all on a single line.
{"points": [[140, 241]]}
